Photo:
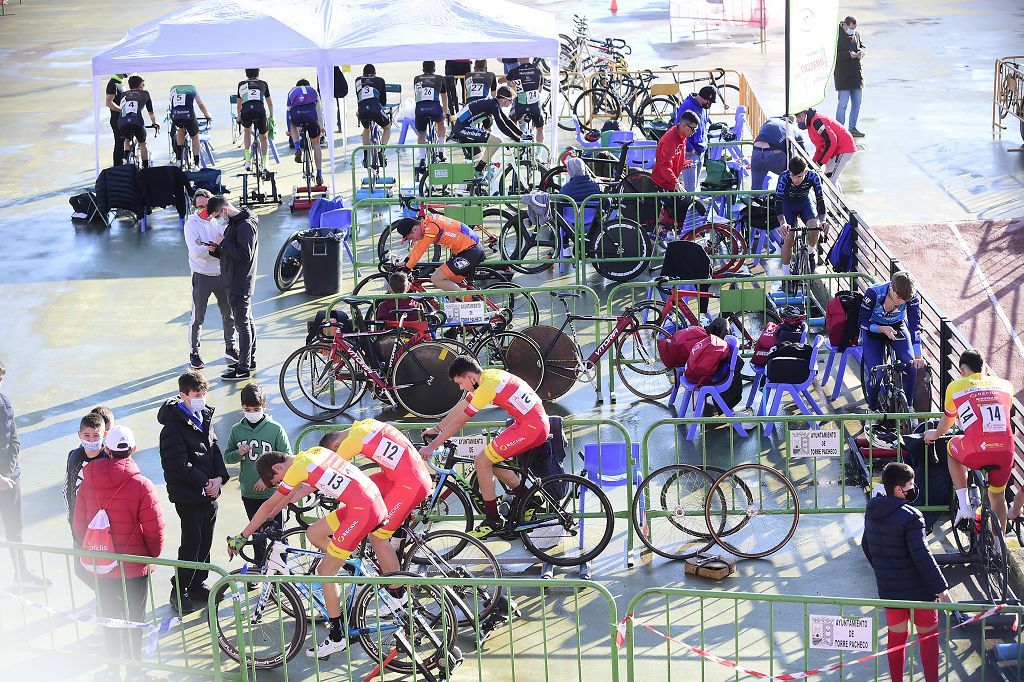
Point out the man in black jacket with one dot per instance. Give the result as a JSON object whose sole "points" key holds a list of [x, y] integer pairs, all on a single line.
{"points": [[905, 570], [194, 471], [238, 250], [849, 77]]}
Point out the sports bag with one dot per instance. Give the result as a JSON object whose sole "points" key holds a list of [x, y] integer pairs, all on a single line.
{"points": [[719, 176], [765, 345], [546, 459], [842, 256], [707, 356], [841, 315], [789, 363], [675, 350], [98, 538]]}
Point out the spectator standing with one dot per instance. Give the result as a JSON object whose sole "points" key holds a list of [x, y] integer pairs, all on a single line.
{"points": [[194, 471], [10, 490], [697, 141], [833, 144], [106, 414], [91, 431], [905, 570], [238, 250], [206, 280], [115, 91], [115, 484], [256, 434], [669, 160], [770, 153], [849, 77]]}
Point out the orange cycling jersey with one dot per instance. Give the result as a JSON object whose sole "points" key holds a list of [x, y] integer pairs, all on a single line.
{"points": [[388, 447], [448, 232], [508, 392], [981, 404]]}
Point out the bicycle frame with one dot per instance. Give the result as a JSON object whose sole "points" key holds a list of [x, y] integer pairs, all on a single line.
{"points": [[624, 324]]}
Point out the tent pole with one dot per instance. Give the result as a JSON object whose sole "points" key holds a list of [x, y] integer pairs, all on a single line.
{"points": [[326, 74], [555, 106], [96, 99]]}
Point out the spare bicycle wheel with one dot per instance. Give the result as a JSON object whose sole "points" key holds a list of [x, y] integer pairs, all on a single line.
{"points": [[288, 266], [668, 511], [771, 517]]}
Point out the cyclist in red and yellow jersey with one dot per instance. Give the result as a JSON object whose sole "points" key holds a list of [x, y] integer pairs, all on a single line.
{"points": [[403, 480], [981, 404], [530, 429], [457, 237], [336, 535]]}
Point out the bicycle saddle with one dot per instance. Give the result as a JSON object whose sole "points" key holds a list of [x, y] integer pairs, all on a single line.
{"points": [[670, 67], [353, 300], [566, 295]]}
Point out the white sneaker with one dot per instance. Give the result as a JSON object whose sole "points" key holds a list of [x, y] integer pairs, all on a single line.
{"points": [[391, 605], [326, 648]]}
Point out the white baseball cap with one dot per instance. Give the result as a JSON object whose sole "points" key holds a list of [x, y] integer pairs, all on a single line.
{"points": [[119, 439]]}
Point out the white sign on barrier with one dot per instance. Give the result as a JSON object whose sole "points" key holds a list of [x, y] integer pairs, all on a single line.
{"points": [[841, 634], [469, 446], [465, 312], [815, 443]]}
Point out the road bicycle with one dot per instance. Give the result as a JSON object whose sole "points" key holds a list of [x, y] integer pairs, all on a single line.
{"points": [[524, 172], [131, 156], [182, 154], [374, 159], [636, 357], [545, 513], [981, 541], [257, 171], [417, 636], [803, 261], [320, 381], [751, 510], [310, 173]]}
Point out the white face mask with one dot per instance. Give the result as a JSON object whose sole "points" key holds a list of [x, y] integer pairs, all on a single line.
{"points": [[850, 31], [253, 417], [92, 446], [197, 404]]}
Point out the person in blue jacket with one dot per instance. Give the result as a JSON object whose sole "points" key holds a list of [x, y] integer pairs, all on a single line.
{"points": [[579, 187], [905, 569], [891, 315], [697, 142]]}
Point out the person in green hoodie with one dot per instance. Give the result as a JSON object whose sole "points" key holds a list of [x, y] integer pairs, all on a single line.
{"points": [[256, 434]]}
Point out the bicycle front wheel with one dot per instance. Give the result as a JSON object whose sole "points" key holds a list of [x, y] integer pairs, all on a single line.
{"points": [[513, 352], [267, 623], [639, 365], [566, 520], [766, 523], [521, 240], [620, 250], [560, 361], [451, 554], [993, 549], [668, 511], [421, 382], [314, 386], [288, 266]]}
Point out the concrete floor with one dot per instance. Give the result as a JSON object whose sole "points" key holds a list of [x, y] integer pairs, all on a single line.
{"points": [[99, 317]]}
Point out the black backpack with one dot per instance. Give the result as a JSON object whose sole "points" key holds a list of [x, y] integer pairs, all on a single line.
{"points": [[84, 207], [546, 459], [789, 363]]}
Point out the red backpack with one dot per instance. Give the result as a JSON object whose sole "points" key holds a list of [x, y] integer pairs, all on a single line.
{"points": [[765, 343], [841, 315], [675, 350], [706, 358]]}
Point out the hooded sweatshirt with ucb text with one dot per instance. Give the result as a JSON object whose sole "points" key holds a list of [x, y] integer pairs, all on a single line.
{"points": [[188, 452], [264, 436]]}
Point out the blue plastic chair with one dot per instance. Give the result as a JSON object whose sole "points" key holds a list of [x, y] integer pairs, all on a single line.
{"points": [[568, 214], [617, 138], [607, 465], [798, 392], [698, 395], [340, 220], [641, 154], [855, 352]]}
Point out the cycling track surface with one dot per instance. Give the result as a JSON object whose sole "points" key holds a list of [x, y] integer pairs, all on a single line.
{"points": [[972, 270]]}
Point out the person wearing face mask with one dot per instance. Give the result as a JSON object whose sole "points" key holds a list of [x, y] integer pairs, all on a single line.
{"points": [[833, 144], [200, 230], [905, 570], [696, 143], [194, 471], [256, 434], [90, 435], [849, 78]]}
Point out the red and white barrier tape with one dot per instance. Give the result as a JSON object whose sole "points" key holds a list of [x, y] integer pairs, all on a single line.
{"points": [[621, 638]]}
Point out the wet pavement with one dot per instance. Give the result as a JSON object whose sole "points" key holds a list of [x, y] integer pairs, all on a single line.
{"points": [[100, 316]]}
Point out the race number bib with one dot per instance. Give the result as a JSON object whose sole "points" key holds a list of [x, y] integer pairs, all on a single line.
{"points": [[335, 478], [993, 418], [253, 95], [388, 453], [129, 107], [523, 400], [179, 100], [366, 92], [425, 94], [531, 96], [966, 415], [477, 89]]}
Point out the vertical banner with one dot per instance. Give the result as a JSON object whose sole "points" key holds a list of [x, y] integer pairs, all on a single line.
{"points": [[811, 34]]}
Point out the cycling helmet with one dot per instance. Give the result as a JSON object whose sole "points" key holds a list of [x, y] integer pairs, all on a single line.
{"points": [[403, 226], [504, 92]]}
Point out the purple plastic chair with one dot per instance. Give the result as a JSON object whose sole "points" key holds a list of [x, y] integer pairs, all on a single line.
{"points": [[698, 395], [855, 352]]}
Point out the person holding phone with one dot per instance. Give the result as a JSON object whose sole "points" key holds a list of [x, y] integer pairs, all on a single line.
{"points": [[891, 315], [200, 232]]}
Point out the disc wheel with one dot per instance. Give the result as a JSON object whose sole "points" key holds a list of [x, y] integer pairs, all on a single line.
{"points": [[668, 511], [771, 517], [560, 361], [421, 379], [513, 352]]}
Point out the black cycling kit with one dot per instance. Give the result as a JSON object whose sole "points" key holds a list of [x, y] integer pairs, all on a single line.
{"points": [[466, 129], [427, 88], [480, 84], [252, 93], [528, 80], [131, 123], [371, 95]]}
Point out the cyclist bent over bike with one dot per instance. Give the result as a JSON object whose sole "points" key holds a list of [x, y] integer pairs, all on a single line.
{"points": [[304, 111], [530, 429], [981, 404], [336, 535], [470, 127], [458, 237], [793, 191]]}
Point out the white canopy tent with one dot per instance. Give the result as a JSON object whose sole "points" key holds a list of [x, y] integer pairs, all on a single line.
{"points": [[239, 34]]}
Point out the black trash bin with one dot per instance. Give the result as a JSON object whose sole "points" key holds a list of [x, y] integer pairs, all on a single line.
{"points": [[321, 262]]}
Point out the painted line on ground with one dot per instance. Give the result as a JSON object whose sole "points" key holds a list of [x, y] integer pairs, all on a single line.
{"points": [[1000, 313]]}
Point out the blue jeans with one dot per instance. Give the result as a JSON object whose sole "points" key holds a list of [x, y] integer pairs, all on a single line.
{"points": [[762, 161], [853, 98], [874, 355]]}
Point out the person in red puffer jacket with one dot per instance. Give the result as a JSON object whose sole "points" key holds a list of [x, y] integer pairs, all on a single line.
{"points": [[833, 143], [136, 527]]}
